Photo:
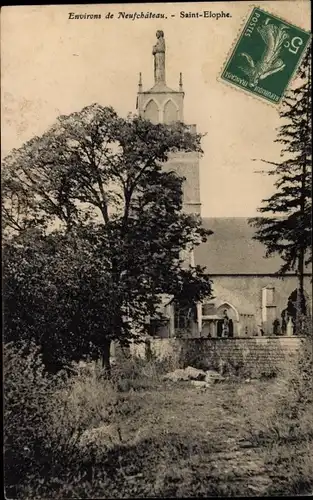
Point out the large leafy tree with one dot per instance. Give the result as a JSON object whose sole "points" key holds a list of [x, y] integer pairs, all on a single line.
{"points": [[287, 227], [54, 289], [97, 178]]}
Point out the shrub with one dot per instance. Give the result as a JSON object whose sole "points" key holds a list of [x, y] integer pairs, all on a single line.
{"points": [[285, 427], [45, 418], [27, 406], [85, 401], [292, 468], [132, 372], [301, 379]]}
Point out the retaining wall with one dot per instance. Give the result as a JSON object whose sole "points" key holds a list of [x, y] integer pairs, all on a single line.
{"points": [[265, 355]]}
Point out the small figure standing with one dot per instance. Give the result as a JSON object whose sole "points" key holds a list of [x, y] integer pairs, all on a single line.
{"points": [[276, 325], [225, 325], [159, 58]]}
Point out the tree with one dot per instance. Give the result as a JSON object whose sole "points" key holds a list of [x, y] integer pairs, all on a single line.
{"points": [[97, 178], [54, 290], [287, 230]]}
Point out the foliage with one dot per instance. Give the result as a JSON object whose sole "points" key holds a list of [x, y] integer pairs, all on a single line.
{"points": [[283, 426], [132, 372], [94, 183], [27, 405], [56, 293], [287, 228], [48, 419], [301, 379], [294, 466]]}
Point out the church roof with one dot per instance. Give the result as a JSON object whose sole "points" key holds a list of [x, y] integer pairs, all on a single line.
{"points": [[232, 251]]}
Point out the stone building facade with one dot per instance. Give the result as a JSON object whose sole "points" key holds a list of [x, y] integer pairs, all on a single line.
{"points": [[245, 281]]}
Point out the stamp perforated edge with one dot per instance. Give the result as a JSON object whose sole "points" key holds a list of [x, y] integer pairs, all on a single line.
{"points": [[243, 23]]}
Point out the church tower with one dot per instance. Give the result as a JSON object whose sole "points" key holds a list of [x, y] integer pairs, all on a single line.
{"points": [[161, 104]]}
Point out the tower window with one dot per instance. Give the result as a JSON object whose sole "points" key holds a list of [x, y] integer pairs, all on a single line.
{"points": [[170, 112], [152, 112]]}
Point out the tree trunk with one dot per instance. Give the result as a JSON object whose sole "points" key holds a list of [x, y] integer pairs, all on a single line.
{"points": [[300, 309], [106, 364]]}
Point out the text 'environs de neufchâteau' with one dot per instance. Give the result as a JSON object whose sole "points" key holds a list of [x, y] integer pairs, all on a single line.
{"points": [[206, 14], [118, 15]]}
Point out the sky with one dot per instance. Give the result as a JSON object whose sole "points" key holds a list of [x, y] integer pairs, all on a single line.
{"points": [[52, 65]]}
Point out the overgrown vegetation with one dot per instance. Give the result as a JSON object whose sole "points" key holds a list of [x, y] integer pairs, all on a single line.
{"points": [[79, 435], [284, 428]]}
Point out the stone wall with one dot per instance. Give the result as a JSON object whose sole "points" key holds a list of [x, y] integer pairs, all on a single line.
{"points": [[247, 356]]}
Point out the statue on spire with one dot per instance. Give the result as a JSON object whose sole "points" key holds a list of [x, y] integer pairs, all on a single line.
{"points": [[159, 58]]}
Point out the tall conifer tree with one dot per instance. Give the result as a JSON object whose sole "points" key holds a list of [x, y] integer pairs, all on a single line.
{"points": [[286, 229]]}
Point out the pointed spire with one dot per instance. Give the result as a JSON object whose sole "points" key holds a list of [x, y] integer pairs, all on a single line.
{"points": [[181, 82], [140, 83]]}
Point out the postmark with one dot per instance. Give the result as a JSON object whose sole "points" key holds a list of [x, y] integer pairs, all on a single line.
{"points": [[266, 56]]}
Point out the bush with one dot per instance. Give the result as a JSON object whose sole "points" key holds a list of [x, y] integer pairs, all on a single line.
{"points": [[27, 406], [292, 467], [132, 372], [47, 418], [301, 379], [85, 401], [285, 428]]}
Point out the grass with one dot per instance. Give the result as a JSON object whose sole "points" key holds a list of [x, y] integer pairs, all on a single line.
{"points": [[139, 436], [174, 441]]}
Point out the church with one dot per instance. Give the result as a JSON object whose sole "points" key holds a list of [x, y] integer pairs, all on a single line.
{"points": [[246, 289]]}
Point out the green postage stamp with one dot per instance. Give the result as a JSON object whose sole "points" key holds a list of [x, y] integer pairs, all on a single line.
{"points": [[266, 56]]}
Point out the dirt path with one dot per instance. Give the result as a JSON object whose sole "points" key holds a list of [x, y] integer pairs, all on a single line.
{"points": [[214, 426]]}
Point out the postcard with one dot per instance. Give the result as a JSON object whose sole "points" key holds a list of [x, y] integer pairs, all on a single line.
{"points": [[157, 237]]}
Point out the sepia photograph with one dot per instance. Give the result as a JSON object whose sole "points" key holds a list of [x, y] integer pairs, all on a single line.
{"points": [[157, 250]]}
